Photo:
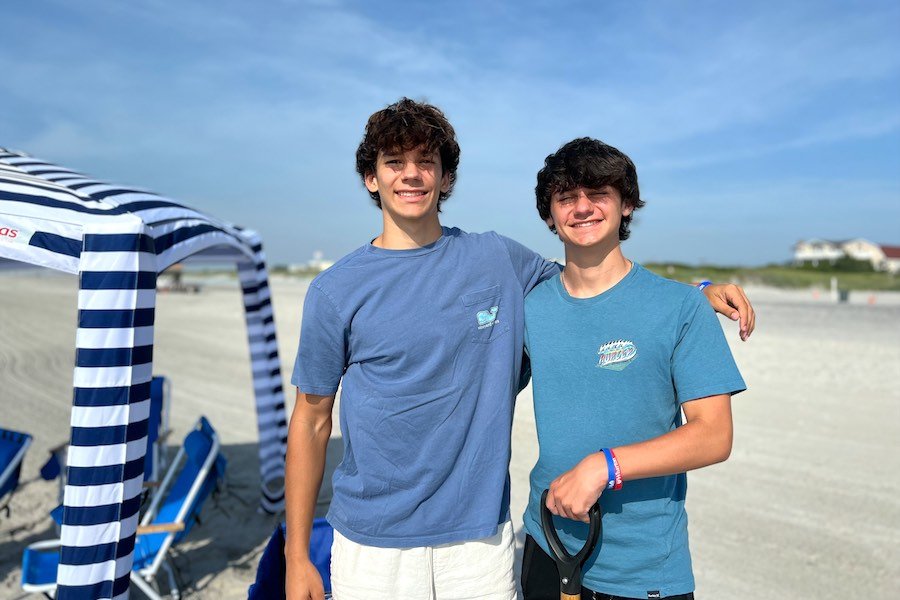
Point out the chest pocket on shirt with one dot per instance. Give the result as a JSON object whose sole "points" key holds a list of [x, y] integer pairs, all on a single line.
{"points": [[485, 314]]}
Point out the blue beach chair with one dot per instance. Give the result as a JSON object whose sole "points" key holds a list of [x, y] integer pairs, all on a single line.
{"points": [[195, 472], [13, 446]]}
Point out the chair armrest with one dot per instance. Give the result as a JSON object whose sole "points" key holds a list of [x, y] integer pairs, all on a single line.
{"points": [[160, 528], [45, 545]]}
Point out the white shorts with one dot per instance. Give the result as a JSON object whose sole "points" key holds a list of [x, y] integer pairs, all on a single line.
{"points": [[480, 569]]}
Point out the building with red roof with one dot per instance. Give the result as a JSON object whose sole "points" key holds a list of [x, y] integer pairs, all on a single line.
{"points": [[818, 251]]}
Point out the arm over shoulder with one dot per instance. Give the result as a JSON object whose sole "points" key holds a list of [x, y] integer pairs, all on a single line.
{"points": [[530, 267]]}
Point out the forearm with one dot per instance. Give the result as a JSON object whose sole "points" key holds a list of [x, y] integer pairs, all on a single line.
{"points": [[705, 439], [307, 446], [697, 443]]}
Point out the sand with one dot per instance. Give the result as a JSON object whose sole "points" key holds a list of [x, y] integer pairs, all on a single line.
{"points": [[808, 505]]}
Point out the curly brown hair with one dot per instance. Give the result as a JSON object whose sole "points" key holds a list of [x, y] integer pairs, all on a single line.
{"points": [[586, 162], [403, 126]]}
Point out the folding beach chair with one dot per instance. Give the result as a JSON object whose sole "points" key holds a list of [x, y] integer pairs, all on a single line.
{"points": [[13, 446], [196, 471]]}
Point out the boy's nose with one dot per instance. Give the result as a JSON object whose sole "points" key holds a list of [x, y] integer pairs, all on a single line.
{"points": [[583, 204], [411, 170]]}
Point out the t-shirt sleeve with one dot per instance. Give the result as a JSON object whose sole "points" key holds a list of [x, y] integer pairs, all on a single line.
{"points": [[530, 267], [702, 364], [322, 352]]}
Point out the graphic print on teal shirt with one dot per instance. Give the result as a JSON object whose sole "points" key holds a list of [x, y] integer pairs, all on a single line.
{"points": [[616, 355]]}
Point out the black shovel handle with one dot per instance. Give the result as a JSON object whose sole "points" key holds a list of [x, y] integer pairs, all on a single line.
{"points": [[569, 566]]}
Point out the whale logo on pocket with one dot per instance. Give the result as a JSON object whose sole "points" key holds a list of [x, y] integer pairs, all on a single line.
{"points": [[487, 318]]}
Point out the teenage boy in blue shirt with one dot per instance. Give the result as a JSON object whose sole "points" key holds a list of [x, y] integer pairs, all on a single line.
{"points": [[617, 353], [423, 329]]}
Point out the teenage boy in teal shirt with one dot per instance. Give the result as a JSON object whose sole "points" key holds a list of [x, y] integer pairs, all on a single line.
{"points": [[617, 353]]}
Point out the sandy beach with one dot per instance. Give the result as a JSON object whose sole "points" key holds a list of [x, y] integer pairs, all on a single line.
{"points": [[808, 505]]}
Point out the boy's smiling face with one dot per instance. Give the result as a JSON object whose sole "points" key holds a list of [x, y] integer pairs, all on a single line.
{"points": [[586, 217], [409, 183]]}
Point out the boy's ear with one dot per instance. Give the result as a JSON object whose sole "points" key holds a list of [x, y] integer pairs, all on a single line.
{"points": [[549, 222], [445, 181], [371, 182], [627, 210]]}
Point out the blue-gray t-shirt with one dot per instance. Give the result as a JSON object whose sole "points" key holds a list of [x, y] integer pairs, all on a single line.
{"points": [[614, 370], [427, 345]]}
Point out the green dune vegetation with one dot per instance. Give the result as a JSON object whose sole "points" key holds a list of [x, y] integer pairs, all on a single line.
{"points": [[851, 275]]}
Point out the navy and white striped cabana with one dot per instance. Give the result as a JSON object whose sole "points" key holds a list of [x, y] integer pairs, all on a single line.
{"points": [[117, 240]]}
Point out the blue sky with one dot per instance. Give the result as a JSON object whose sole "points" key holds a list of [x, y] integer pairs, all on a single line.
{"points": [[752, 125]]}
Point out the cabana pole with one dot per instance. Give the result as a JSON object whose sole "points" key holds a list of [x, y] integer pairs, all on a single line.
{"points": [[267, 386], [110, 409]]}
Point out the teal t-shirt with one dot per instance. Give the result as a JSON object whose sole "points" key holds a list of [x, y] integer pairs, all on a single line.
{"points": [[614, 370]]}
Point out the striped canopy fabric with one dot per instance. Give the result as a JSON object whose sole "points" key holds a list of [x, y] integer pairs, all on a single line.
{"points": [[117, 240]]}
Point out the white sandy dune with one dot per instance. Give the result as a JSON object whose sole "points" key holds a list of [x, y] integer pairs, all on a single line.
{"points": [[808, 505]]}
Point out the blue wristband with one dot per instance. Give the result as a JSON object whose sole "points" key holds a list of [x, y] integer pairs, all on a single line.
{"points": [[703, 284], [610, 468]]}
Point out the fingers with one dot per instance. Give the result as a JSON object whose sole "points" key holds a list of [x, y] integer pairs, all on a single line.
{"points": [[303, 582], [731, 301], [738, 299], [751, 321], [318, 591], [551, 502], [717, 296], [556, 506], [563, 508]]}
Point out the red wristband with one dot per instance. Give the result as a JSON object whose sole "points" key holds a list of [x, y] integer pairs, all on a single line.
{"points": [[618, 471]]}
